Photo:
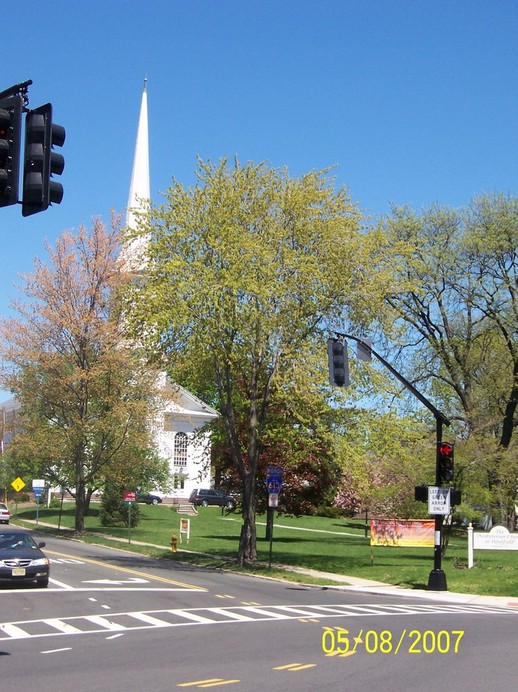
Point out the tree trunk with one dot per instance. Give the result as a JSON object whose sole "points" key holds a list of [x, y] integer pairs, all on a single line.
{"points": [[80, 490], [247, 553], [80, 508]]}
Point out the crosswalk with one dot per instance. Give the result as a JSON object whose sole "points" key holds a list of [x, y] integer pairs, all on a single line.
{"points": [[178, 617]]}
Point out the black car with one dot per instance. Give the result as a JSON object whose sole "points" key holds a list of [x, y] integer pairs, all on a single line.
{"points": [[149, 498], [21, 558], [205, 497]]}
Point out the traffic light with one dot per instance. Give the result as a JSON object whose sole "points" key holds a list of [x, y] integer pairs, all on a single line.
{"points": [[41, 162], [445, 461], [10, 141], [338, 363]]}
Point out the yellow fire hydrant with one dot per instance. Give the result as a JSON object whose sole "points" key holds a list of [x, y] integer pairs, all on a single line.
{"points": [[174, 542]]}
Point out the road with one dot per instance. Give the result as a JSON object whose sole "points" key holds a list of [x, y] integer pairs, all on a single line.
{"points": [[114, 620]]}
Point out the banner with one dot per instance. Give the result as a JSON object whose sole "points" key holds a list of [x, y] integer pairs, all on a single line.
{"points": [[415, 533]]}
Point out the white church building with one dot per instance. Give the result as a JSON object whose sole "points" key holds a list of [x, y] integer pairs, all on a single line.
{"points": [[178, 433]]}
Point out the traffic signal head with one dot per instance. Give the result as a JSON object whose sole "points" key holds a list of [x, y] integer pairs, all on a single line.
{"points": [[445, 461], [41, 162], [10, 141], [338, 363]]}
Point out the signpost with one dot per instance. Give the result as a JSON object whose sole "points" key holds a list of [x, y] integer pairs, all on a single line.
{"points": [[185, 529], [38, 488], [129, 498], [274, 476], [18, 484]]}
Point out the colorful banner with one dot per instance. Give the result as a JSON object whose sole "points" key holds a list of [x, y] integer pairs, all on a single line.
{"points": [[415, 533]]}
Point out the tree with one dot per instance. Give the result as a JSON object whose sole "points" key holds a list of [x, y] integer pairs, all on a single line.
{"points": [[85, 392], [245, 269], [383, 458], [298, 436], [458, 319]]}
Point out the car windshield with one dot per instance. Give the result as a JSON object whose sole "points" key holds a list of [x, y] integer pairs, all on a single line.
{"points": [[8, 541]]}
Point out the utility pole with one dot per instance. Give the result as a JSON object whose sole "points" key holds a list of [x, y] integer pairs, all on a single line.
{"points": [[437, 577]]}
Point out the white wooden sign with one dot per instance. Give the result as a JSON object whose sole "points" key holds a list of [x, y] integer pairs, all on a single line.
{"points": [[498, 538]]}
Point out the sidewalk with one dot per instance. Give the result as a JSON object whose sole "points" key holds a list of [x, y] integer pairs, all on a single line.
{"points": [[344, 582], [370, 586]]}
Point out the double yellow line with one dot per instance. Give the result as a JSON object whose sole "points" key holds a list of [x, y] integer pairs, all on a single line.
{"points": [[127, 570]]}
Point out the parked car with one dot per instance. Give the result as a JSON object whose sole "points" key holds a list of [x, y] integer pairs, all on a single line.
{"points": [[149, 498], [5, 514], [205, 497], [21, 558]]}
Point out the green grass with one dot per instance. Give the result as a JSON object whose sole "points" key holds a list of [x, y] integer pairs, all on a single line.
{"points": [[330, 545]]}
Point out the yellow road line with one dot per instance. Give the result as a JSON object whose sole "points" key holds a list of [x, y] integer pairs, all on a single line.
{"points": [[126, 570]]}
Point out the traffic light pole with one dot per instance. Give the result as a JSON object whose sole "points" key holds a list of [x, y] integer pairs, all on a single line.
{"points": [[437, 577], [17, 89]]}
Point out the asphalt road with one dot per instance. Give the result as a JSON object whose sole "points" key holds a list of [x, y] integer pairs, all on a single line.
{"points": [[114, 620]]}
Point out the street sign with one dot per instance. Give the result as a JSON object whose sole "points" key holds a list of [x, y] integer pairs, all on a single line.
{"points": [[274, 475], [439, 500], [38, 492], [130, 497], [18, 484], [273, 499], [274, 485], [38, 483]]}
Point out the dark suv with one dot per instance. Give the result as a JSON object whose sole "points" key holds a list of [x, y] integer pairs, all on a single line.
{"points": [[212, 497]]}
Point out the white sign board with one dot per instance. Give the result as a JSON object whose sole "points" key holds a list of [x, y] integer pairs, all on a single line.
{"points": [[439, 500], [498, 538], [38, 483]]}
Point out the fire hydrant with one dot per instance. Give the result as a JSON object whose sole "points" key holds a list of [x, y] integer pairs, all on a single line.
{"points": [[174, 542]]}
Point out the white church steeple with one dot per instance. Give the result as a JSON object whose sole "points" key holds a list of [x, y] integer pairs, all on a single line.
{"points": [[139, 194]]}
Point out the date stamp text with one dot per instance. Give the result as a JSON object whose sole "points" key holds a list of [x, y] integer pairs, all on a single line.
{"points": [[340, 642]]}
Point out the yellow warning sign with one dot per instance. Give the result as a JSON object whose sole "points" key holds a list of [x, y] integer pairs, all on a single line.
{"points": [[18, 484]]}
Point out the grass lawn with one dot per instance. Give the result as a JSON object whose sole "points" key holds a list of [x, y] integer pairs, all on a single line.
{"points": [[330, 545]]}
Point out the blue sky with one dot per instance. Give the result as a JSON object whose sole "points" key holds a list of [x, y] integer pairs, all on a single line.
{"points": [[414, 101]]}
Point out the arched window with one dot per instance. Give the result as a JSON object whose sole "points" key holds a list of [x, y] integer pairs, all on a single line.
{"points": [[180, 449]]}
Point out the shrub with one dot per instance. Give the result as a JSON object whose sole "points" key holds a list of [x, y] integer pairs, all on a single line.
{"points": [[113, 510]]}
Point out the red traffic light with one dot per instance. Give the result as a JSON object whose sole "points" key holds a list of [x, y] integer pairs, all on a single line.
{"points": [[445, 461], [445, 449]]}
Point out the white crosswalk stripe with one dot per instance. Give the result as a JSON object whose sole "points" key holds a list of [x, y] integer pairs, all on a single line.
{"points": [[135, 620]]}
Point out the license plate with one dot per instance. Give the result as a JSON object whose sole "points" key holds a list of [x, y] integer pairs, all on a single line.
{"points": [[18, 572]]}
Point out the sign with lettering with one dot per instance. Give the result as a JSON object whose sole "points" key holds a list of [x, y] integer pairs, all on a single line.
{"points": [[274, 476], [130, 498], [439, 500], [499, 538]]}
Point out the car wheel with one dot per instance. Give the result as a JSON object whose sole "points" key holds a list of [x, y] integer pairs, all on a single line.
{"points": [[230, 505], [43, 583], [204, 503], [155, 502]]}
